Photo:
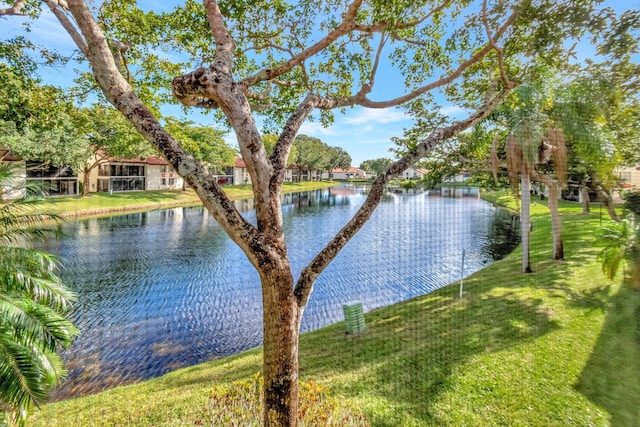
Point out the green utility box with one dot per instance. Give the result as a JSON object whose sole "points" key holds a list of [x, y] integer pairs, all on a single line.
{"points": [[354, 317]]}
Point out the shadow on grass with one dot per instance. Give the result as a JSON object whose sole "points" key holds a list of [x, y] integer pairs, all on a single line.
{"points": [[409, 352], [611, 377]]}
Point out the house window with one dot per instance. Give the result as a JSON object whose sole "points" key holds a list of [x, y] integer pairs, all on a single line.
{"points": [[164, 181], [172, 181], [163, 168], [54, 180]]}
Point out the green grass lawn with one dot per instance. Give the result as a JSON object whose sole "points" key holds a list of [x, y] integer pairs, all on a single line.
{"points": [[559, 347], [106, 204]]}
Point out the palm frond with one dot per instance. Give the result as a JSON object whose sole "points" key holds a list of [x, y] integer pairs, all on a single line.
{"points": [[33, 301]]}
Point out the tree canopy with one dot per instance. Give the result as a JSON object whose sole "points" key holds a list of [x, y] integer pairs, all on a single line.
{"points": [[281, 64]]}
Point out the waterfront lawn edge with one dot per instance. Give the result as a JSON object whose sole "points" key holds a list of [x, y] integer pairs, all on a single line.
{"points": [[553, 348]]}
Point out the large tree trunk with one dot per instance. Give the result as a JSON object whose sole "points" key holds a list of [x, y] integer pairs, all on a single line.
{"points": [[281, 328], [525, 219]]}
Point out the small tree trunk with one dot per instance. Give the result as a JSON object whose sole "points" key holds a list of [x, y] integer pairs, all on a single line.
{"points": [[525, 219], [586, 203], [608, 202], [556, 223], [281, 330], [85, 182]]}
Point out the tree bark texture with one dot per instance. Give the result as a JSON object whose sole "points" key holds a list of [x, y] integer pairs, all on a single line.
{"points": [[282, 317]]}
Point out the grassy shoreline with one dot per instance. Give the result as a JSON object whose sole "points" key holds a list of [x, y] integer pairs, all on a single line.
{"points": [[553, 348], [103, 204]]}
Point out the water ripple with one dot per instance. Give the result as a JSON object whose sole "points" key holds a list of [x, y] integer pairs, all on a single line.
{"points": [[165, 289]]}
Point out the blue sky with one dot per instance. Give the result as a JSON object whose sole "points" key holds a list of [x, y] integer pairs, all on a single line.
{"points": [[363, 133]]}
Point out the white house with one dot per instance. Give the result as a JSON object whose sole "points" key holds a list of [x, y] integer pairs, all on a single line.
{"points": [[629, 177], [116, 175], [414, 173], [461, 177], [349, 173], [240, 172], [629, 180], [54, 180]]}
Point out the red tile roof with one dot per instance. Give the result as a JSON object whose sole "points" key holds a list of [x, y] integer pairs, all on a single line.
{"points": [[152, 160], [239, 163], [352, 169]]}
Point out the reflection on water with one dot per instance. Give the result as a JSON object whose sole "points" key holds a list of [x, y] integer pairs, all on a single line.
{"points": [[165, 289]]}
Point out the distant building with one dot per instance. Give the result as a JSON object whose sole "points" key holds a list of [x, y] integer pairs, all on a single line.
{"points": [[629, 180], [629, 177], [350, 173], [240, 174], [53, 180], [414, 173], [119, 175]]}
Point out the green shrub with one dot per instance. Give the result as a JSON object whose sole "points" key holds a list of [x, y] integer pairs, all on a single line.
{"points": [[240, 404], [408, 184]]}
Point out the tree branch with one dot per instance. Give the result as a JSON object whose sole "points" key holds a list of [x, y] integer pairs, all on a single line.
{"points": [[443, 80], [120, 93], [224, 42], [498, 49], [311, 272], [366, 88], [360, 99], [347, 25], [67, 24], [15, 9], [383, 26], [285, 140]]}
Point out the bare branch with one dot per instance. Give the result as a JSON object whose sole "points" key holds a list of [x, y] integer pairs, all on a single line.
{"points": [[224, 42], [285, 140], [15, 9], [310, 273], [345, 27], [498, 49], [67, 24], [359, 99], [366, 89]]}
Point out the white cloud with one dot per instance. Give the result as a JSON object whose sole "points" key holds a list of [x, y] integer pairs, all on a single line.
{"points": [[452, 110], [45, 31], [371, 116], [315, 128]]}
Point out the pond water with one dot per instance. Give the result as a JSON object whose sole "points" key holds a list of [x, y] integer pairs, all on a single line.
{"points": [[165, 289]]}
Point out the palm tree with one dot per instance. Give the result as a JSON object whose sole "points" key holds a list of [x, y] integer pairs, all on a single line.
{"points": [[33, 302], [535, 151], [620, 242], [525, 121]]}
